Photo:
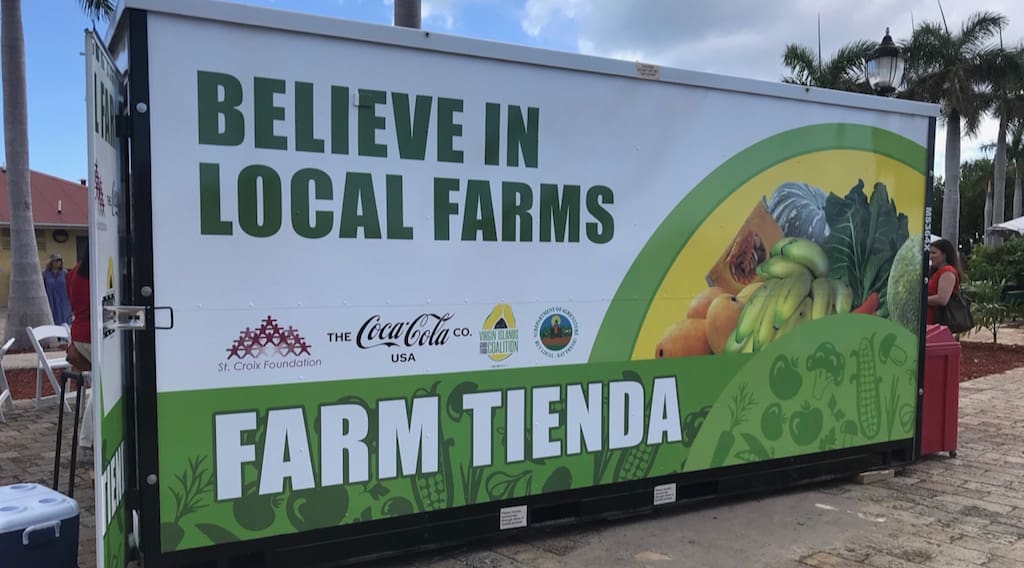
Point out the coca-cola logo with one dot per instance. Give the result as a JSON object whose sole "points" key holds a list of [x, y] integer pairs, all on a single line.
{"points": [[425, 330]]}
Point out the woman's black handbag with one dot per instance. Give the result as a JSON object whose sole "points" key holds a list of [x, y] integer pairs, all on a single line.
{"points": [[956, 314]]}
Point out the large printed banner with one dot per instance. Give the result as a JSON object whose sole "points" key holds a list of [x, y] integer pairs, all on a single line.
{"points": [[406, 281], [103, 99]]}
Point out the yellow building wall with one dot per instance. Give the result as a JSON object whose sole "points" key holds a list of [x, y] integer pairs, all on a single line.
{"points": [[46, 245]]}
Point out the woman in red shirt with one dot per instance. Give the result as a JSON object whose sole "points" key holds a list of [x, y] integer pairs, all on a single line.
{"points": [[945, 278], [80, 350]]}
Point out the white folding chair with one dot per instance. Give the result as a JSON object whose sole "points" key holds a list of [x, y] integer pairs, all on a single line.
{"points": [[5, 387], [48, 364]]}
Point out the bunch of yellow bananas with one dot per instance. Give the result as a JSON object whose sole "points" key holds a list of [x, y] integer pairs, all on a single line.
{"points": [[796, 288]]}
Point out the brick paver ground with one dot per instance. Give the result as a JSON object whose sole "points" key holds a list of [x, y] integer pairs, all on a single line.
{"points": [[27, 445]]}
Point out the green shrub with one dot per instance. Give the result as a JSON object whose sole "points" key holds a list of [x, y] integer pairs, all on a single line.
{"points": [[989, 311], [999, 263]]}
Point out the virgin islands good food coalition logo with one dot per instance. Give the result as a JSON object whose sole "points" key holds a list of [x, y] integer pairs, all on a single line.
{"points": [[499, 338], [269, 346], [555, 332]]}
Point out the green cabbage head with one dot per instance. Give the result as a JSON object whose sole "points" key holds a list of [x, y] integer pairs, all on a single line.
{"points": [[905, 282]]}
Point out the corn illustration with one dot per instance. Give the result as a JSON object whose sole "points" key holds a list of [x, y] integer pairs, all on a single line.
{"points": [[869, 397], [636, 462], [434, 491]]}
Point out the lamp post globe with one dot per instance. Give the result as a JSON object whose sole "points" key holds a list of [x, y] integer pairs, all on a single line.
{"points": [[885, 66]]}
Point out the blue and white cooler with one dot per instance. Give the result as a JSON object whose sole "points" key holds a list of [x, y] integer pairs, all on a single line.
{"points": [[38, 527]]}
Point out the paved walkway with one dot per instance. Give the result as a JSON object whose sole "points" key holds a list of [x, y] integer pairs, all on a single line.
{"points": [[27, 444]]}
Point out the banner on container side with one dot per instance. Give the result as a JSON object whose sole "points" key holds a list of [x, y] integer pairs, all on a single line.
{"points": [[410, 281]]}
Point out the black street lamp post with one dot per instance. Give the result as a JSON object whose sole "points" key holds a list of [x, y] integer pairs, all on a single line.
{"points": [[884, 67]]}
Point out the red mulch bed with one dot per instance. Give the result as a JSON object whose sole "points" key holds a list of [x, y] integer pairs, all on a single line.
{"points": [[976, 360], [23, 383], [981, 359]]}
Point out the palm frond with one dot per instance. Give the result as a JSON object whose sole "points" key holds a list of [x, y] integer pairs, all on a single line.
{"points": [[848, 62], [802, 62], [844, 70], [927, 48], [97, 9], [1000, 69], [978, 29]]}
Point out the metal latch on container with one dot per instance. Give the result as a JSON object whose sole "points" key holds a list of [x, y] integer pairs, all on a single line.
{"points": [[131, 318]]}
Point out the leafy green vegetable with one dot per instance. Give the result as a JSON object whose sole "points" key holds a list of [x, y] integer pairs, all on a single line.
{"points": [[216, 534], [864, 237], [756, 447], [500, 485], [195, 482]]}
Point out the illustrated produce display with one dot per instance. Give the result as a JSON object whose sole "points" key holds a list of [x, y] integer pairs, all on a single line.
{"points": [[839, 393], [800, 256], [737, 267]]}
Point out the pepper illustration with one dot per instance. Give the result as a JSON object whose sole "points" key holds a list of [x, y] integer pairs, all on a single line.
{"points": [[771, 422], [784, 378]]}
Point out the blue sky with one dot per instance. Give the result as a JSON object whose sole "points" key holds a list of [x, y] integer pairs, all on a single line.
{"points": [[55, 66], [740, 37]]}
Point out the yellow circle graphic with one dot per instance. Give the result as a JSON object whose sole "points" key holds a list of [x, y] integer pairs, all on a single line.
{"points": [[833, 171]]}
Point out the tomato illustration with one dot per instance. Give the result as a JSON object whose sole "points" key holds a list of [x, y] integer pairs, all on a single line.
{"points": [[254, 512], [805, 424], [317, 507], [396, 507]]}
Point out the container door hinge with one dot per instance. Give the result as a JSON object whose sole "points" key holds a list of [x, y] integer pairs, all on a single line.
{"points": [[135, 318]]}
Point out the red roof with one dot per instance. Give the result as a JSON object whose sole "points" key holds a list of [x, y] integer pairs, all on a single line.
{"points": [[56, 202]]}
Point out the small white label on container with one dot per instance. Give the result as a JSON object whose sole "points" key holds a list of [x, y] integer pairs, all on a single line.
{"points": [[513, 517], [664, 494], [647, 71]]}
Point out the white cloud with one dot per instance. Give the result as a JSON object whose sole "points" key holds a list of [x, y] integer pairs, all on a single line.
{"points": [[539, 13], [744, 37], [442, 11], [747, 37]]}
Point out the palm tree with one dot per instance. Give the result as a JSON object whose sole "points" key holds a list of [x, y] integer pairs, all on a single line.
{"points": [[27, 304], [987, 220], [843, 71], [947, 68], [1004, 73], [1015, 155]]}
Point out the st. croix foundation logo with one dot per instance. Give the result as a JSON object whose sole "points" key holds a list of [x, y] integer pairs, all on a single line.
{"points": [[269, 346]]}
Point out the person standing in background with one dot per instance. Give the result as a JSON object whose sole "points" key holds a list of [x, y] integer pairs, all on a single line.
{"points": [[79, 353], [80, 350], [944, 279], [55, 282]]}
